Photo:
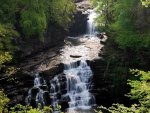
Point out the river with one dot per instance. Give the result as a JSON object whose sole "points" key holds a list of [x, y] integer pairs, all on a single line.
{"points": [[73, 84]]}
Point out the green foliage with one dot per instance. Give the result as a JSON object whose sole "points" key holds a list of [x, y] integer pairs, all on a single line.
{"points": [[7, 11], [5, 57], [123, 19], [140, 91], [28, 109], [61, 12], [141, 88], [37, 14], [48, 109], [3, 100], [24, 109], [7, 34], [118, 108], [146, 3], [33, 17]]}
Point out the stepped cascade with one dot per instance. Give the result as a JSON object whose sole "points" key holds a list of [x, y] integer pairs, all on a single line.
{"points": [[78, 81], [73, 85], [39, 93]]}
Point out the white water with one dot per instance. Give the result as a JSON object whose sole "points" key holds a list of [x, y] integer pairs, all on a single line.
{"points": [[78, 80], [90, 23], [38, 82], [78, 76]]}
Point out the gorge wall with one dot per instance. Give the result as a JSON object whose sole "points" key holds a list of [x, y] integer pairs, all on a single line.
{"points": [[54, 34]]}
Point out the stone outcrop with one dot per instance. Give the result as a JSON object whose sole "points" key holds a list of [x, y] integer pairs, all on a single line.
{"points": [[81, 16], [16, 87], [54, 35]]}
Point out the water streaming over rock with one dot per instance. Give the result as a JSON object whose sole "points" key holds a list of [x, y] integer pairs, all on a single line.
{"points": [[90, 23], [72, 86], [39, 93], [78, 81]]}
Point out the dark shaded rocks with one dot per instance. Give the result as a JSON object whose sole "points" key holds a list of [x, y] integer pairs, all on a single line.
{"points": [[79, 25], [54, 35], [76, 1], [16, 87], [103, 42], [52, 71], [47, 99], [80, 18], [101, 35], [75, 56]]}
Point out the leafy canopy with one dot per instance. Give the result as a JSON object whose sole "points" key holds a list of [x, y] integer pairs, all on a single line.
{"points": [[140, 90]]}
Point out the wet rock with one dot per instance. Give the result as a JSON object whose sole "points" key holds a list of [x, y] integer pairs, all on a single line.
{"points": [[52, 71], [43, 87], [47, 98], [103, 42], [64, 105], [33, 103], [34, 92], [64, 91], [81, 16], [79, 25], [75, 56], [78, 1], [66, 98], [100, 36]]}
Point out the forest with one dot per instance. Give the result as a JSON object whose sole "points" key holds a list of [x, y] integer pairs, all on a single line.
{"points": [[31, 27]]}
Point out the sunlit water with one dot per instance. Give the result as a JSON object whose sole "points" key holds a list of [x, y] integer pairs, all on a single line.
{"points": [[91, 29], [39, 96], [78, 81], [77, 76]]}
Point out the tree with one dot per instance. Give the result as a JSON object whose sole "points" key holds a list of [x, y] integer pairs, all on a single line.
{"points": [[3, 100], [146, 3], [34, 16], [140, 90]]}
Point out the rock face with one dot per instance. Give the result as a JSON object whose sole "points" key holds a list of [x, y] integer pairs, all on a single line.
{"points": [[105, 82], [16, 87], [53, 36], [79, 25], [81, 16]]}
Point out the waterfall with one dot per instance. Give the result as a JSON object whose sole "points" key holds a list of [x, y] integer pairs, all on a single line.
{"points": [[38, 94], [90, 23], [72, 86], [78, 81]]}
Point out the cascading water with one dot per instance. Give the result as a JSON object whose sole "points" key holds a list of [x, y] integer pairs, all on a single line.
{"points": [[90, 23], [38, 94], [78, 81], [78, 84], [71, 86]]}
